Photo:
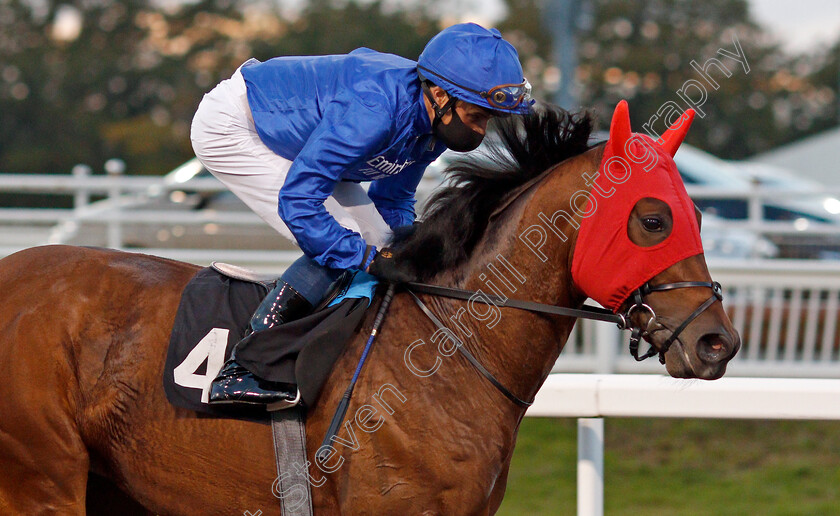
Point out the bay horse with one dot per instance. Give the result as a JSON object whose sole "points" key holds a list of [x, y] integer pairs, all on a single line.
{"points": [[85, 426]]}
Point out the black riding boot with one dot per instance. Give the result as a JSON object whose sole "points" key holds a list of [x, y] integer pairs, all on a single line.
{"points": [[235, 384]]}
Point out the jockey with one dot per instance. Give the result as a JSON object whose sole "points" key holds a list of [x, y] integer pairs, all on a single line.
{"points": [[294, 136]]}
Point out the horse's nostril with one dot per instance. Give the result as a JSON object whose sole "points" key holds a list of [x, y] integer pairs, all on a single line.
{"points": [[714, 347]]}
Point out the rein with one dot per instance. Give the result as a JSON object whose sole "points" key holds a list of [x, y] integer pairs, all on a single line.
{"points": [[471, 358], [585, 312]]}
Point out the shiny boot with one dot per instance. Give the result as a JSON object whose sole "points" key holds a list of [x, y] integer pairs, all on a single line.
{"points": [[235, 384]]}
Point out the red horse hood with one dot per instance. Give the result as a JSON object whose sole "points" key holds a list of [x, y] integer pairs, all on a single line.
{"points": [[607, 265]]}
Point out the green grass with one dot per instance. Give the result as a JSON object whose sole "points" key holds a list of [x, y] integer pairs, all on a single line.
{"points": [[682, 467]]}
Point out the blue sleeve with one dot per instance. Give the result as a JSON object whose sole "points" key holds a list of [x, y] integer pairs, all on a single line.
{"points": [[394, 196], [350, 130]]}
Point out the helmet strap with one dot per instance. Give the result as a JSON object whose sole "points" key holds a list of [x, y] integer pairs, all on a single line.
{"points": [[455, 134], [440, 111]]}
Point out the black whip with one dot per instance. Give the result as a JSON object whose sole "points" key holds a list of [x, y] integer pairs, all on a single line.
{"points": [[341, 410]]}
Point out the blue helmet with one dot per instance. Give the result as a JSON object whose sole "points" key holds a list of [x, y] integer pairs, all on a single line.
{"points": [[477, 66]]}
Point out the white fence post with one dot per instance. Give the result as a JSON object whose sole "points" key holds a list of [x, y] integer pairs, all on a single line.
{"points": [[590, 469], [622, 395], [755, 206], [115, 168], [82, 196], [606, 347]]}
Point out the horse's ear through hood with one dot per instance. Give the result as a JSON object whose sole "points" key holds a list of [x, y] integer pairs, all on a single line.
{"points": [[607, 265]]}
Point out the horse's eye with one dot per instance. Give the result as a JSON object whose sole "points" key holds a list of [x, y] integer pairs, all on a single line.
{"points": [[652, 224]]}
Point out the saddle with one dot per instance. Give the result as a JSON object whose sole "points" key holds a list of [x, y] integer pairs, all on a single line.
{"points": [[213, 315]]}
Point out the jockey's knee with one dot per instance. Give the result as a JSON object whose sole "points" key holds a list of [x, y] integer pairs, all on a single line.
{"points": [[310, 279]]}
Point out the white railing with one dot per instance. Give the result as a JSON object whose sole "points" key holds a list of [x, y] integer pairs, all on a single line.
{"points": [[785, 310], [126, 194], [128, 201], [592, 397]]}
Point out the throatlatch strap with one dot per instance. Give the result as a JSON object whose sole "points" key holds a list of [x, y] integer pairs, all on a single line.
{"points": [[292, 484]]}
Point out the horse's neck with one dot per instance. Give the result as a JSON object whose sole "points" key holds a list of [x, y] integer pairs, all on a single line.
{"points": [[519, 347]]}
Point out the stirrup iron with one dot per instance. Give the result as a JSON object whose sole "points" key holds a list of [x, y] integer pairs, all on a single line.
{"points": [[285, 404]]}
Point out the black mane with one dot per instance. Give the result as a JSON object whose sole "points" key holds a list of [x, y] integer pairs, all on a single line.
{"points": [[457, 215]]}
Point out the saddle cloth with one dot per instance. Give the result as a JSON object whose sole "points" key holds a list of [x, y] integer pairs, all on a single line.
{"points": [[213, 315]]}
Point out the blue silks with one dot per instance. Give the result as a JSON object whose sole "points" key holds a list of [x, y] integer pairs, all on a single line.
{"points": [[355, 117]]}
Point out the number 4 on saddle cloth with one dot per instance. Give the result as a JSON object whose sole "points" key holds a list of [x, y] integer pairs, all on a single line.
{"points": [[213, 315]]}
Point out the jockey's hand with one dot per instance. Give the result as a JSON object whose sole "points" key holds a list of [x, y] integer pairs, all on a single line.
{"points": [[385, 267]]}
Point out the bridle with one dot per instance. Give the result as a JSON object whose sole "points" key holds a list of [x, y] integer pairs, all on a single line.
{"points": [[585, 312], [637, 333]]}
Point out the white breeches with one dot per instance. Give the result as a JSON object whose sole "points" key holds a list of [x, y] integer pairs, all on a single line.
{"points": [[225, 141]]}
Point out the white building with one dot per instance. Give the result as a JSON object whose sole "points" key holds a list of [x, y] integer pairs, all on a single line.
{"points": [[816, 157]]}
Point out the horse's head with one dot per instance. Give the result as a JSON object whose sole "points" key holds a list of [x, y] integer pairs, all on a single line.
{"points": [[638, 252]]}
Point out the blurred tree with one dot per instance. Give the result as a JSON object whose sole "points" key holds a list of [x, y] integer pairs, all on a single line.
{"points": [[330, 27], [822, 88], [89, 81], [68, 71], [642, 51], [85, 81]]}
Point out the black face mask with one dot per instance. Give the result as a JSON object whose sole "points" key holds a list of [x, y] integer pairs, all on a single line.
{"points": [[455, 135]]}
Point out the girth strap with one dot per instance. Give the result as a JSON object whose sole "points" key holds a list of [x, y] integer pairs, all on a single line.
{"points": [[292, 484], [464, 351]]}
